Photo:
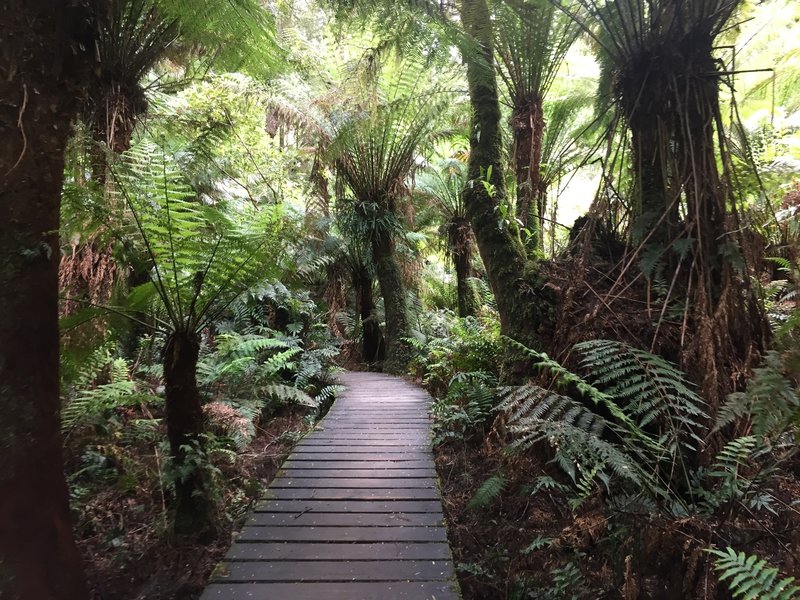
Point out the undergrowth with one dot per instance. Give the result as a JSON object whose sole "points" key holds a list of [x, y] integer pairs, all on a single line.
{"points": [[621, 452]]}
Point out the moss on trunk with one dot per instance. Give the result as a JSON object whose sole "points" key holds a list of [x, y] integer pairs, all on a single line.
{"points": [[524, 305], [527, 126], [393, 290]]}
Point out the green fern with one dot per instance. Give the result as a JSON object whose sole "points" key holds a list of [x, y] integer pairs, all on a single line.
{"points": [[748, 577], [771, 402], [731, 472], [289, 394], [647, 387], [489, 491]]}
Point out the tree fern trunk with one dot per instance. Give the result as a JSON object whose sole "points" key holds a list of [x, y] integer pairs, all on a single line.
{"points": [[393, 290], [44, 68], [193, 510], [461, 248], [527, 125], [373, 345], [523, 306]]}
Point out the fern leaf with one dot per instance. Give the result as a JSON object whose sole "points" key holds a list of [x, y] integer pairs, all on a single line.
{"points": [[748, 577], [290, 395], [488, 492]]}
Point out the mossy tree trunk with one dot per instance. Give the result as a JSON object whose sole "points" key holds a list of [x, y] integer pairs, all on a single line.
{"points": [[44, 64], [461, 243], [193, 507], [393, 290], [523, 306]]}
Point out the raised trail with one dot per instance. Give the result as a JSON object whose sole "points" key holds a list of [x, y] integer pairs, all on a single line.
{"points": [[355, 512]]}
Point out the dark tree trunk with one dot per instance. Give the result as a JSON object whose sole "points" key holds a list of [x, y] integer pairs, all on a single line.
{"points": [[461, 242], [193, 510], [729, 324], [672, 109], [43, 69], [656, 209], [393, 291], [523, 306], [527, 125], [372, 337]]}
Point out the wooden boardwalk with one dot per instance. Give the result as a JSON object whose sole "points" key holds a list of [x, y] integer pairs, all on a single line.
{"points": [[355, 512]]}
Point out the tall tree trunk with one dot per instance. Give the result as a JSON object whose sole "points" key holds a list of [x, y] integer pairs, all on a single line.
{"points": [[527, 125], [373, 344], [460, 234], [43, 67], [523, 306], [393, 290], [194, 510]]}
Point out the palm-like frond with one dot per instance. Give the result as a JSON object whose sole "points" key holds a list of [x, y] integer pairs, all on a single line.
{"points": [[202, 258], [531, 40]]}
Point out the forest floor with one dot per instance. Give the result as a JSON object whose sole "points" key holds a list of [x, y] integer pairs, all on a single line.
{"points": [[526, 545], [130, 555]]}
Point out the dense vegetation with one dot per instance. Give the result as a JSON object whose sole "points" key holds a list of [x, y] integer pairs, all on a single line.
{"points": [[575, 222]]}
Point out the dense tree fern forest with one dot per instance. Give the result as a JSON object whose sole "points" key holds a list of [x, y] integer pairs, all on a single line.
{"points": [[575, 223]]}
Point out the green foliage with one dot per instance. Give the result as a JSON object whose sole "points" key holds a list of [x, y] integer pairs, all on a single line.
{"points": [[649, 389], [489, 491], [737, 477], [95, 404], [770, 405], [202, 258], [748, 577]]}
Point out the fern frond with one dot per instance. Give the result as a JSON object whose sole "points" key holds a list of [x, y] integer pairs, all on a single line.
{"points": [[771, 402], [749, 578], [488, 492], [651, 389], [289, 394]]}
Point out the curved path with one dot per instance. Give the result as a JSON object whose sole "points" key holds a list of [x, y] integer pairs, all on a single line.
{"points": [[355, 512]]}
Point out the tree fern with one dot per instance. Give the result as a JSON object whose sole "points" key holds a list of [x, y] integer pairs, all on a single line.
{"points": [[748, 577]]}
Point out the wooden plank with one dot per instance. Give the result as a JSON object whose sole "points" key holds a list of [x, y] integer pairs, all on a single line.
{"points": [[339, 551], [361, 506], [352, 494], [369, 448], [355, 570], [351, 483], [392, 463], [360, 456], [352, 519], [357, 445], [393, 472], [342, 534], [411, 441], [396, 590]]}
